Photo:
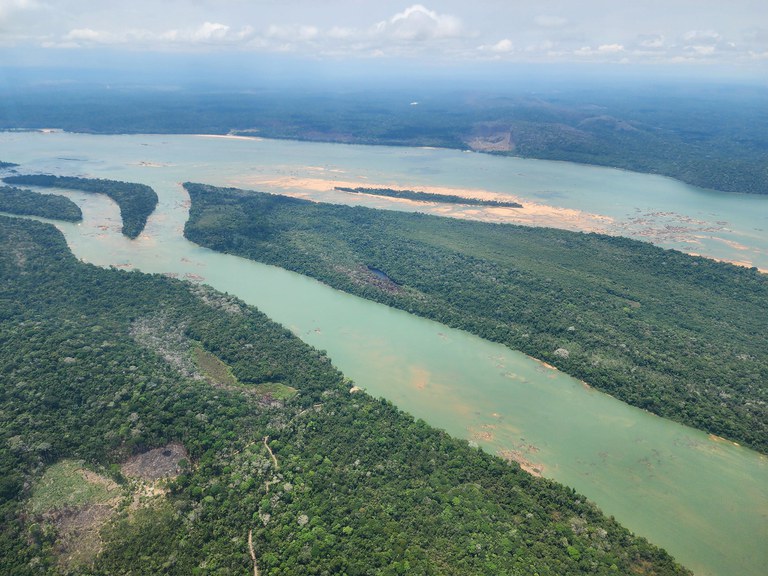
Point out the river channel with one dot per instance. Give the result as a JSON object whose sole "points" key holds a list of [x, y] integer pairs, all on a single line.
{"points": [[703, 499]]}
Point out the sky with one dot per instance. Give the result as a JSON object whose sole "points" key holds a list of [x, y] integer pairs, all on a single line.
{"points": [[711, 35]]}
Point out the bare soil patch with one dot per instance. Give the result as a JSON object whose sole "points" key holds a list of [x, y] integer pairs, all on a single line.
{"points": [[156, 464], [78, 540]]}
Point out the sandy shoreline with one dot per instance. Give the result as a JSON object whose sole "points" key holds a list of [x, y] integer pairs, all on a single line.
{"points": [[229, 137], [531, 214]]}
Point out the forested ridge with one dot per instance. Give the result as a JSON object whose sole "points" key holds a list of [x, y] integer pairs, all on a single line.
{"points": [[681, 336], [99, 365], [29, 203], [136, 201]]}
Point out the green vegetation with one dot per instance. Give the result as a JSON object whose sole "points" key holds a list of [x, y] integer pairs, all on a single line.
{"points": [[64, 485], [212, 368], [276, 391], [136, 201], [29, 203], [326, 482], [681, 336], [710, 135], [429, 197]]}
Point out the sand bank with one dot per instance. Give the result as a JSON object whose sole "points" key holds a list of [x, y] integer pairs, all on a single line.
{"points": [[531, 214]]}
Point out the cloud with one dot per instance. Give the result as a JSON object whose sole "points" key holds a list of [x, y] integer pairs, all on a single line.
{"points": [[501, 47], [207, 34], [9, 10], [702, 36], [610, 48], [602, 50], [86, 34], [702, 50], [293, 33], [8, 6], [652, 41], [411, 33], [412, 29], [418, 23]]}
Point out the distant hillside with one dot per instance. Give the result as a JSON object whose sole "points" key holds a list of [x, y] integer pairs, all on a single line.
{"points": [[706, 135]]}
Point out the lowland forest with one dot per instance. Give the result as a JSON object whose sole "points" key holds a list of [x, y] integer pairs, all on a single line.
{"points": [[681, 336], [152, 426]]}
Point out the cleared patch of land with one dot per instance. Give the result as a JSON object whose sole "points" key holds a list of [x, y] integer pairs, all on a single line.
{"points": [[216, 371], [67, 484], [76, 503], [166, 462]]}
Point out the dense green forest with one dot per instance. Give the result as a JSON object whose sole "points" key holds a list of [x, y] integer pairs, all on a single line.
{"points": [[429, 197], [136, 201], [102, 365], [703, 134], [29, 203], [681, 336]]}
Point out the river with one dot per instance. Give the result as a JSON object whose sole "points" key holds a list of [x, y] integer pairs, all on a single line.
{"points": [[703, 499]]}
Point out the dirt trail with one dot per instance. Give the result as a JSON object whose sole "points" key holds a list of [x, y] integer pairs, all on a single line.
{"points": [[252, 553], [271, 454]]}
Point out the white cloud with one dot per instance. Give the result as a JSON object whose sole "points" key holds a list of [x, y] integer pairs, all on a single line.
{"points": [[610, 48], [293, 33], [208, 33], [554, 30], [86, 34], [702, 50], [702, 36], [8, 6], [602, 50], [504, 46], [9, 10], [418, 23], [653, 41]]}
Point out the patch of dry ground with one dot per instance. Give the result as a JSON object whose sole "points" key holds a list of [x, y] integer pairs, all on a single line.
{"points": [[78, 540], [156, 464]]}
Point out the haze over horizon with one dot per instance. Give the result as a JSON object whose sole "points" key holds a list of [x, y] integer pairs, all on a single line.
{"points": [[344, 38]]}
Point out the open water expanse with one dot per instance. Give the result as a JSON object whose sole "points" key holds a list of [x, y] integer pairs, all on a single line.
{"points": [[703, 499]]}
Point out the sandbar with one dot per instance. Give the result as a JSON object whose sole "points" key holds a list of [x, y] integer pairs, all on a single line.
{"points": [[531, 214]]}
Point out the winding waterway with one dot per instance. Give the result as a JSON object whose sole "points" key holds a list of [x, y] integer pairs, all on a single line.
{"points": [[703, 499]]}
